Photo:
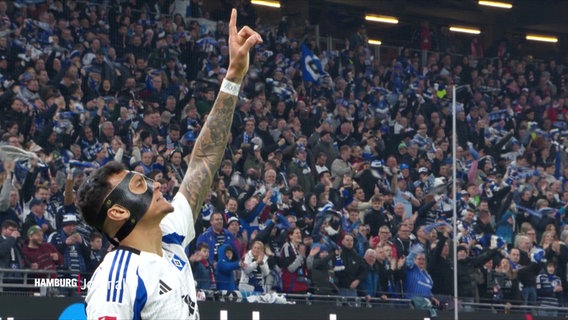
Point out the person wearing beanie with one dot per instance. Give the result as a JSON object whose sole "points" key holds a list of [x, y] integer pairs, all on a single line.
{"points": [[40, 255]]}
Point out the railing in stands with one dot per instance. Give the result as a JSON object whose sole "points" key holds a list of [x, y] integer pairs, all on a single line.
{"points": [[22, 282]]}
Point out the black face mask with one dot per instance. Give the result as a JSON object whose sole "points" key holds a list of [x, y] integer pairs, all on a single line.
{"points": [[137, 204]]}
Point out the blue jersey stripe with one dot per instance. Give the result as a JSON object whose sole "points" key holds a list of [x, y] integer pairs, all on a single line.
{"points": [[116, 284], [141, 297], [123, 279], [109, 286], [173, 238]]}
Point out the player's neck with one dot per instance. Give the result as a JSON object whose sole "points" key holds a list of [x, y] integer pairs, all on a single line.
{"points": [[148, 239]]}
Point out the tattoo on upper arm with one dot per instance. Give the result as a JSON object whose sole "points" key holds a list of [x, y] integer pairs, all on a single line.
{"points": [[208, 152]]}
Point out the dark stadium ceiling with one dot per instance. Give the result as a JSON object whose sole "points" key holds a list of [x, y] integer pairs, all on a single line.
{"points": [[526, 16]]}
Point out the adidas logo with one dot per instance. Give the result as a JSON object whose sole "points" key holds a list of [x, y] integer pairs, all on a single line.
{"points": [[164, 288]]}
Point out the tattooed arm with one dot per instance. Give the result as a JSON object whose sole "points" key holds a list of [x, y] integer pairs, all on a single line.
{"points": [[210, 146]]}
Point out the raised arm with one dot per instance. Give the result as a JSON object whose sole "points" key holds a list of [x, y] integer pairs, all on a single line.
{"points": [[210, 145]]}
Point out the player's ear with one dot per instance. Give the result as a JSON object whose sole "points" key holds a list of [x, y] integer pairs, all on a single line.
{"points": [[118, 213]]}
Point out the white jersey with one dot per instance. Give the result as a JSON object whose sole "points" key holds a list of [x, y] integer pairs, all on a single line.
{"points": [[130, 284]]}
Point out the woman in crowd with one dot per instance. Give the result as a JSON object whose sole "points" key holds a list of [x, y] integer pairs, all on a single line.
{"points": [[219, 194], [503, 284], [177, 167], [294, 271], [255, 269]]}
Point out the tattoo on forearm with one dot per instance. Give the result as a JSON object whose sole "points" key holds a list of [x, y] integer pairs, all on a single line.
{"points": [[208, 152]]}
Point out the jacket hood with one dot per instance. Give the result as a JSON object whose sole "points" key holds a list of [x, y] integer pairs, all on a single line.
{"points": [[223, 248]]}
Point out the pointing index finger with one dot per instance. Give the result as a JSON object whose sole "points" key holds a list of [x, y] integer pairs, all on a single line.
{"points": [[233, 23]]}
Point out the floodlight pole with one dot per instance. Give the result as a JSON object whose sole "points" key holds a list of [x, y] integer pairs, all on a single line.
{"points": [[454, 195]]}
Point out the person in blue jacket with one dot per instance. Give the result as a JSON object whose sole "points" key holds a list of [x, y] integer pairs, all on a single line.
{"points": [[418, 283], [216, 236], [227, 263]]}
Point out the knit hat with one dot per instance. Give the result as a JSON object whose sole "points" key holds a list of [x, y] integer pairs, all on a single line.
{"points": [[68, 219], [233, 219], [33, 229]]}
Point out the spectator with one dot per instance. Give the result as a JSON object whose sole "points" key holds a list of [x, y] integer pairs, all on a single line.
{"points": [[376, 217], [362, 239], [322, 275], [96, 251], [502, 283], [549, 289], [37, 217], [215, 236], [255, 269], [39, 255], [203, 271], [241, 236], [301, 168], [71, 245], [350, 221], [418, 283], [370, 286], [468, 270], [391, 272], [402, 241], [384, 238], [225, 269], [354, 272], [255, 213], [341, 167], [10, 208], [325, 146], [294, 271], [10, 248], [440, 267]]}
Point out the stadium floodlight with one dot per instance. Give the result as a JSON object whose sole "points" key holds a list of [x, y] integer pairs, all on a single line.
{"points": [[465, 30], [496, 4], [379, 18], [266, 3], [374, 42], [543, 38]]}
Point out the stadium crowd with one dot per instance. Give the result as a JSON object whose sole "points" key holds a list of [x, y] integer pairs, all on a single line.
{"points": [[337, 180]]}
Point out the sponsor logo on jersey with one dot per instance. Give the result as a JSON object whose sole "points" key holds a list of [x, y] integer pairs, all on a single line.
{"points": [[164, 288], [107, 318]]}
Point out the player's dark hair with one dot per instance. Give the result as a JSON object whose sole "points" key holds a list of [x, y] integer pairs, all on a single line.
{"points": [[93, 191]]}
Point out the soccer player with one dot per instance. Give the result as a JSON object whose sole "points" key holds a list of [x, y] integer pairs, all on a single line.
{"points": [[148, 276]]}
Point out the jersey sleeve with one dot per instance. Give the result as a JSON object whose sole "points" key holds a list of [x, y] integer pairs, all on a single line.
{"points": [[178, 226]]}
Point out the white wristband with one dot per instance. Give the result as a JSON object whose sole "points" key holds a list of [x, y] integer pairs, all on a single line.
{"points": [[230, 87]]}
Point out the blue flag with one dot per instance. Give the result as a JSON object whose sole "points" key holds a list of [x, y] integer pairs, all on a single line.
{"points": [[498, 115], [312, 70]]}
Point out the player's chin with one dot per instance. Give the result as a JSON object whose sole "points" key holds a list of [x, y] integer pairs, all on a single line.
{"points": [[165, 207]]}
